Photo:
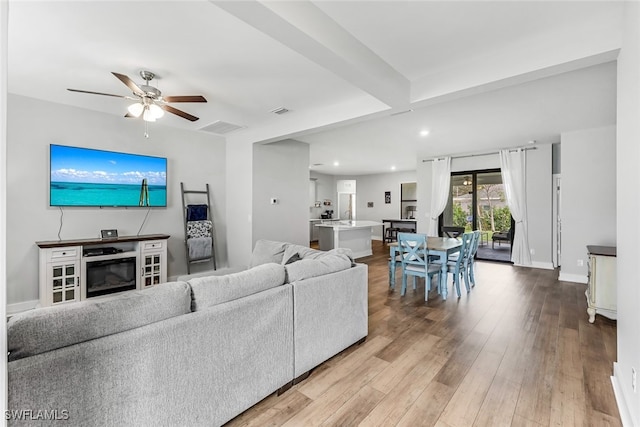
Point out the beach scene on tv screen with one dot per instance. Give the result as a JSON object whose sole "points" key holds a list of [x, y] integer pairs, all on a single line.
{"points": [[87, 177]]}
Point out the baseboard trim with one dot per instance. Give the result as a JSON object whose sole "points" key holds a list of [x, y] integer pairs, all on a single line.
{"points": [[576, 278], [19, 307], [537, 264], [542, 265], [623, 409]]}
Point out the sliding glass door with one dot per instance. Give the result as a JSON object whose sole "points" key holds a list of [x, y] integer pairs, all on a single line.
{"points": [[477, 202]]}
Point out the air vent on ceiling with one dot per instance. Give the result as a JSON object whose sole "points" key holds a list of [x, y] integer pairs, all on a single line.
{"points": [[221, 127], [280, 110]]}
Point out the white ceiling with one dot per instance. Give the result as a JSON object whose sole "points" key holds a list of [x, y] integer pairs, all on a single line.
{"points": [[479, 75]]}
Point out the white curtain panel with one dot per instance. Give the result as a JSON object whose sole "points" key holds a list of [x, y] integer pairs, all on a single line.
{"points": [[440, 182], [513, 166]]}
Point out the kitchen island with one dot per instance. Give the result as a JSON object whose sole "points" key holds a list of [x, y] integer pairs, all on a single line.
{"points": [[354, 235]]}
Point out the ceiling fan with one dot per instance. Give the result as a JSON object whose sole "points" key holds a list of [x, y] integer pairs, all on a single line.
{"points": [[149, 102]]}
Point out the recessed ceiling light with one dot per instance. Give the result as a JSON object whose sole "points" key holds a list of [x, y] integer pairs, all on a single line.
{"points": [[393, 168], [336, 163], [533, 141], [424, 132]]}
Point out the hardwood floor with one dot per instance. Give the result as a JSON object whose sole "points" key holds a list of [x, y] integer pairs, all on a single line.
{"points": [[516, 351]]}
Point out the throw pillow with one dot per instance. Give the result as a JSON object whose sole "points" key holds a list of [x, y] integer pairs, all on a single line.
{"points": [[267, 251], [303, 251], [295, 257]]}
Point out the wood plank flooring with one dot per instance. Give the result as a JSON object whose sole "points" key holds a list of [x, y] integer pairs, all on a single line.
{"points": [[516, 351]]}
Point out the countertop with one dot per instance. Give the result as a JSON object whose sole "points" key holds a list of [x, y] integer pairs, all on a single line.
{"points": [[602, 250], [346, 224]]}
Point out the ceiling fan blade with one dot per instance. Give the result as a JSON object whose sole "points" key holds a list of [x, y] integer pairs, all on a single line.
{"points": [[130, 116], [130, 83], [180, 113], [98, 93], [194, 98]]}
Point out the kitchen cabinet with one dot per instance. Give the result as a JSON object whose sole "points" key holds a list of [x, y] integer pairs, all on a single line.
{"points": [[313, 230]]}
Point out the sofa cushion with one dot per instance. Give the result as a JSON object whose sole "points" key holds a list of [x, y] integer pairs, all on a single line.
{"points": [[310, 267], [218, 272], [266, 251], [45, 329], [214, 290]]}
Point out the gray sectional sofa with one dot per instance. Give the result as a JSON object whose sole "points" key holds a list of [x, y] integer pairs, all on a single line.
{"points": [[195, 352]]}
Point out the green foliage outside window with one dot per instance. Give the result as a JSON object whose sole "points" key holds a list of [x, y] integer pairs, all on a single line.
{"points": [[501, 219], [459, 215]]}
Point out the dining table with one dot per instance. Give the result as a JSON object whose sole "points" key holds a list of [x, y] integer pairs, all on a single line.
{"points": [[441, 247]]}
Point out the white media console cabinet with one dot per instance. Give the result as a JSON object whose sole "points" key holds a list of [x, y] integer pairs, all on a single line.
{"points": [[601, 290], [74, 270]]}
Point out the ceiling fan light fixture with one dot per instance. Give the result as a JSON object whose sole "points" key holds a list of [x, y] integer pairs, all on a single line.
{"points": [[156, 111], [150, 104], [135, 109], [148, 115]]}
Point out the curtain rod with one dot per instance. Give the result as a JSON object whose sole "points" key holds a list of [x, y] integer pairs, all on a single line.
{"points": [[480, 154]]}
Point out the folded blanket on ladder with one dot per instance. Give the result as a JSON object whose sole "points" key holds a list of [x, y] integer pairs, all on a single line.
{"points": [[199, 229], [196, 212], [199, 247]]}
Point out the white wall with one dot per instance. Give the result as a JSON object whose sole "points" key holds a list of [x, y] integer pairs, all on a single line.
{"points": [[195, 158], [539, 196], [4, 18], [281, 171], [371, 188], [239, 201], [628, 207], [540, 205], [588, 196]]}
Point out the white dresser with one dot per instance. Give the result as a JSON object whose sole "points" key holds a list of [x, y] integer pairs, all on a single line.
{"points": [[601, 290]]}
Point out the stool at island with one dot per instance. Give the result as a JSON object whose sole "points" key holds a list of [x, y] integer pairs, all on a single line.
{"points": [[74, 270]]}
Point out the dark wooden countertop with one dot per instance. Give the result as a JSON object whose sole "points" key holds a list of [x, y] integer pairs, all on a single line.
{"points": [[601, 250], [96, 241]]}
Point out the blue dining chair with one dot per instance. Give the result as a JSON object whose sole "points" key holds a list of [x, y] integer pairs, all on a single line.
{"points": [[393, 266], [414, 257], [457, 265], [470, 267]]}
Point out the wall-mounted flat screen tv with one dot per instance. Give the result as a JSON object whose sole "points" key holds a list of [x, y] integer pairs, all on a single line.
{"points": [[88, 177]]}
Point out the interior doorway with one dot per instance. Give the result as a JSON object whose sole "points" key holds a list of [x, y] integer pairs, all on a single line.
{"points": [[477, 202], [346, 189], [347, 206], [408, 200], [557, 223]]}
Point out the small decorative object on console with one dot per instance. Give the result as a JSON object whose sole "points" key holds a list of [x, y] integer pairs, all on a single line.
{"points": [[109, 234]]}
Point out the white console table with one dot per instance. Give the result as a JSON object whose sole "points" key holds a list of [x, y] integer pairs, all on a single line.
{"points": [[601, 291], [64, 264]]}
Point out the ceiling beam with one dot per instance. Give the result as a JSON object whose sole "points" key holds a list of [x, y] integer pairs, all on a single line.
{"points": [[306, 29]]}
